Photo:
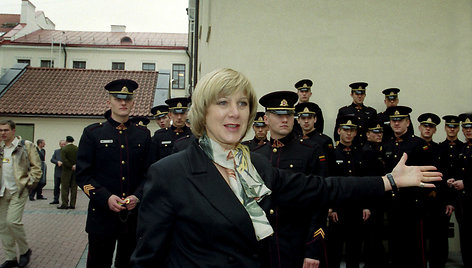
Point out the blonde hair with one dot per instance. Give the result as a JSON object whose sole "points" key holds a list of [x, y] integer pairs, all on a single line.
{"points": [[221, 82]]}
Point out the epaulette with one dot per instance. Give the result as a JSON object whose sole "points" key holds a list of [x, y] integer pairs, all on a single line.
{"points": [[182, 138], [95, 126], [161, 130], [141, 127], [258, 147]]}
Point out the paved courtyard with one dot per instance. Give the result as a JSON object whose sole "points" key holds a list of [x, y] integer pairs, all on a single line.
{"points": [[58, 237]]}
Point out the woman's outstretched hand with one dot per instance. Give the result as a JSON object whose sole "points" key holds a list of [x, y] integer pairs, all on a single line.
{"points": [[407, 176]]}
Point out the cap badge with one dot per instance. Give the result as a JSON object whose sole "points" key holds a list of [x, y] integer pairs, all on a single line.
{"points": [[284, 102], [349, 122], [260, 119], [429, 120], [378, 126], [392, 93], [124, 89], [141, 123], [179, 105], [360, 88], [467, 120], [305, 85], [453, 121], [397, 112], [159, 113], [306, 110]]}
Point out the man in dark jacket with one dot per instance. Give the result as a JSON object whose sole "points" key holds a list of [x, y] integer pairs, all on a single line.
{"points": [[56, 160], [111, 165]]}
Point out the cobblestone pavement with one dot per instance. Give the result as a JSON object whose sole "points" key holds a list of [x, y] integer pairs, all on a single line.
{"points": [[58, 238]]}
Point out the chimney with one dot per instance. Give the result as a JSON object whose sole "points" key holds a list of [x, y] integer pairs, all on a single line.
{"points": [[27, 12], [118, 28]]}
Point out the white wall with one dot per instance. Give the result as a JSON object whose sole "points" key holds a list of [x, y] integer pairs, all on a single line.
{"points": [[422, 47], [52, 130], [97, 58]]}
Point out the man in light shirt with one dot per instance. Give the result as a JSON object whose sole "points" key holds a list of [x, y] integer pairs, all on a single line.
{"points": [[20, 172]]}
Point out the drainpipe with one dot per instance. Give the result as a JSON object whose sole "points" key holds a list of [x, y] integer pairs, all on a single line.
{"points": [[195, 43], [65, 55]]}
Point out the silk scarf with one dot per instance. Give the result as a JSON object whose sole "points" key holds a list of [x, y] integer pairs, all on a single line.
{"points": [[244, 181]]}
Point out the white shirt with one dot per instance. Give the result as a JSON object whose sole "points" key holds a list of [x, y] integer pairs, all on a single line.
{"points": [[8, 178]]}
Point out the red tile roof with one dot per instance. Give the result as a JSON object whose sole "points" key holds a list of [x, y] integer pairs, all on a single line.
{"points": [[73, 92], [8, 22], [105, 39]]}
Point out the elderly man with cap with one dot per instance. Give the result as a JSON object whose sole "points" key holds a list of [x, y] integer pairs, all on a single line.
{"points": [[359, 110], [307, 117], [163, 139], [391, 100], [112, 160], [161, 114], [345, 222], [285, 151], [260, 132], [68, 179], [405, 207], [438, 201], [462, 184], [304, 93]]}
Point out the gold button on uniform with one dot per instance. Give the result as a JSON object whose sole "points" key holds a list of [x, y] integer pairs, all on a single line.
{"points": [[122, 146], [123, 178], [123, 162], [271, 212], [121, 132], [274, 150]]}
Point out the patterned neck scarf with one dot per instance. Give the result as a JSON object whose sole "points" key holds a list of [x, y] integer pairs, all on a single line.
{"points": [[244, 181]]}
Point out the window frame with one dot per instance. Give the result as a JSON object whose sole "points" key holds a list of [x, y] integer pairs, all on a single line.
{"points": [[178, 80], [79, 62]]}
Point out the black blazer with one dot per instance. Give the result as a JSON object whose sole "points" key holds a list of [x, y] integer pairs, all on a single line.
{"points": [[189, 217]]}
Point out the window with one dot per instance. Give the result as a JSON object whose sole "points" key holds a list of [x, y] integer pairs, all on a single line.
{"points": [[178, 76], [149, 66], [79, 64], [24, 61], [47, 63], [26, 131], [117, 65]]}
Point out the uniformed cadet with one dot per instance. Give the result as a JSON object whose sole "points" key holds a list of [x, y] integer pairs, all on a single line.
{"points": [[163, 139], [438, 201], [391, 100], [161, 114], [405, 206], [359, 110], [345, 222], [374, 165], [260, 132], [307, 118], [111, 166], [304, 93], [463, 185], [450, 147], [286, 152]]}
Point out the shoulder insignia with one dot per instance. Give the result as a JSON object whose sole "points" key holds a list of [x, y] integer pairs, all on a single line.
{"points": [[95, 126], [330, 145], [425, 147], [322, 158]]}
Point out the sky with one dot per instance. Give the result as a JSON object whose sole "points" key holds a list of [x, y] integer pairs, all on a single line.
{"points": [[168, 16]]}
